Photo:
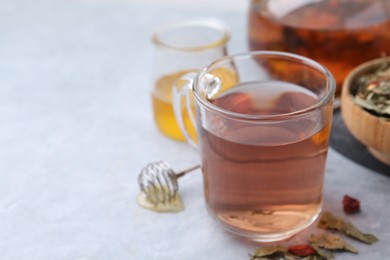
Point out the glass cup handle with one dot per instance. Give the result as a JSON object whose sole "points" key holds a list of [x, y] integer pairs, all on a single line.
{"points": [[177, 93]]}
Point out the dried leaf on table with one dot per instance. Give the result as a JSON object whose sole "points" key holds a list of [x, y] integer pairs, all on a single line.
{"points": [[296, 252], [270, 252], [323, 254], [328, 221], [331, 242]]}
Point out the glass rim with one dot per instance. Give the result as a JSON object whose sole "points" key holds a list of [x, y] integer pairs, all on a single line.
{"points": [[211, 23], [330, 83]]}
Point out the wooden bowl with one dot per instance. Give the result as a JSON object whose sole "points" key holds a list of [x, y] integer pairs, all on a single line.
{"points": [[372, 131]]}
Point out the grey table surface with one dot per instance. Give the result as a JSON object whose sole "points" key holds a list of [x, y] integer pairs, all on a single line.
{"points": [[76, 128]]}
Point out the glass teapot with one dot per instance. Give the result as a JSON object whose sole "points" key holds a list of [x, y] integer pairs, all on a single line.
{"points": [[340, 34]]}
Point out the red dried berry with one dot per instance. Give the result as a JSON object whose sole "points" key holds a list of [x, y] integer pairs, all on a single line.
{"points": [[351, 205], [302, 250]]}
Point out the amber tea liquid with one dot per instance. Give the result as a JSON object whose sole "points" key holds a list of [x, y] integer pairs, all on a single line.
{"points": [[339, 34], [265, 178]]}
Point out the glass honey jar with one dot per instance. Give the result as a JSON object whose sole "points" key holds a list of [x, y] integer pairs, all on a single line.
{"points": [[181, 48]]}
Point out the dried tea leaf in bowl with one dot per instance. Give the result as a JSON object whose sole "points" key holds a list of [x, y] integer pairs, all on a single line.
{"points": [[373, 92]]}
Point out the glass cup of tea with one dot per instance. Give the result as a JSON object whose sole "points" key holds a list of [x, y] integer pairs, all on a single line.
{"points": [[182, 47], [262, 141]]}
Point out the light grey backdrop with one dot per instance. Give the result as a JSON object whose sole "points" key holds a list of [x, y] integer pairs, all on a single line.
{"points": [[76, 128]]}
